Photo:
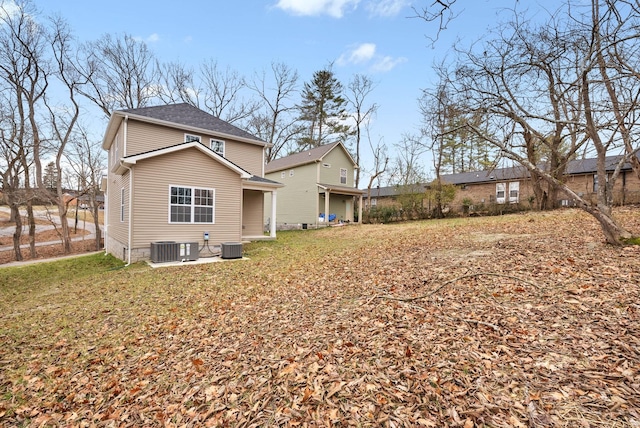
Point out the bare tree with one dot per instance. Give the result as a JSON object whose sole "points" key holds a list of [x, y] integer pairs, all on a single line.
{"points": [[12, 168], [176, 84], [275, 122], [380, 164], [358, 89], [64, 117], [542, 90], [119, 72], [222, 93], [87, 161], [441, 12], [407, 167], [24, 73], [614, 31]]}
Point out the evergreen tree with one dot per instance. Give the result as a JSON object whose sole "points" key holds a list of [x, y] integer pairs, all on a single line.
{"points": [[50, 178], [323, 109]]}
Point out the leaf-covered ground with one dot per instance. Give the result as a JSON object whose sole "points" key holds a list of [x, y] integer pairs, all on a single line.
{"points": [[515, 321]]}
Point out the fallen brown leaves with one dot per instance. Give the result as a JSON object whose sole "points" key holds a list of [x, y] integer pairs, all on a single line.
{"points": [[515, 321]]}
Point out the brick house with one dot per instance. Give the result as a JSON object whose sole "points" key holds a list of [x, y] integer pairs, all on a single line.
{"points": [[512, 185]]}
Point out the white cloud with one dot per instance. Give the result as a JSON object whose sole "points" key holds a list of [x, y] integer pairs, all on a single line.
{"points": [[150, 39], [387, 63], [386, 7], [365, 53], [8, 8], [334, 8], [359, 54]]}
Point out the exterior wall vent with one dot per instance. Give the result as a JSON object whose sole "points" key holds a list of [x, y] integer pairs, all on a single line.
{"points": [[231, 250], [164, 251]]}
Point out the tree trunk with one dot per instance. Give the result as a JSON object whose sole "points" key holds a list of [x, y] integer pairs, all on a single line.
{"points": [[32, 227], [15, 213], [64, 225], [96, 223], [613, 232]]}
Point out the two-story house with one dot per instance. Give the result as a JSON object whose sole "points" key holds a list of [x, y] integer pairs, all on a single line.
{"points": [[177, 173], [319, 187]]}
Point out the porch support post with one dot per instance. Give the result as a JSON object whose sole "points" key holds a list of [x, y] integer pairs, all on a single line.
{"points": [[272, 226], [327, 196], [360, 210]]}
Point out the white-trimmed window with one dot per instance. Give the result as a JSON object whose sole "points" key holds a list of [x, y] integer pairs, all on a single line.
{"points": [[514, 192], [290, 173], [217, 146], [283, 174], [595, 183], [188, 138], [343, 175], [122, 204], [191, 205], [374, 202], [500, 192]]}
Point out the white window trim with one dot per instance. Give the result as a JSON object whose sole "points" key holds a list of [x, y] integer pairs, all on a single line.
{"points": [[501, 187], [514, 186], [195, 138], [291, 173], [216, 140], [193, 188], [343, 174]]}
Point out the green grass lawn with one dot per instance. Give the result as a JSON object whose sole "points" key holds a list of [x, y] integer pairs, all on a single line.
{"points": [[519, 320]]}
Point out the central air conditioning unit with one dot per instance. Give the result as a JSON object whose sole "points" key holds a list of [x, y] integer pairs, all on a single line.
{"points": [[164, 251], [231, 250], [189, 251]]}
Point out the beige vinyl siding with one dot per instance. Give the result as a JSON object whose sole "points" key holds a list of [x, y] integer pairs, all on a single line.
{"points": [[144, 137], [189, 168], [118, 230], [337, 158], [252, 214], [247, 156], [297, 201]]}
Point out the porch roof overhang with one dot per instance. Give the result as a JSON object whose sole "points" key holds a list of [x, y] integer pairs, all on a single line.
{"points": [[340, 190], [261, 184]]}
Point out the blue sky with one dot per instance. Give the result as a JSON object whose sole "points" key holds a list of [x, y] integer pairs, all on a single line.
{"points": [[372, 37]]}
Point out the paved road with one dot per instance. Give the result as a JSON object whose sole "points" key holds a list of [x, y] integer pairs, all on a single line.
{"points": [[42, 215]]}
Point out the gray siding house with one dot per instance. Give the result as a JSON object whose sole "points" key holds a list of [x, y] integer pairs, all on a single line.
{"points": [[177, 173], [319, 187]]}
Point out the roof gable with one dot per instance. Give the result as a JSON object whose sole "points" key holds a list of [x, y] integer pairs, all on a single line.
{"points": [[308, 156], [129, 161], [182, 116]]}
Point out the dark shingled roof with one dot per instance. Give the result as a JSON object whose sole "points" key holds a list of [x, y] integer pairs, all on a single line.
{"points": [[581, 166], [188, 115], [258, 179], [381, 192], [300, 158]]}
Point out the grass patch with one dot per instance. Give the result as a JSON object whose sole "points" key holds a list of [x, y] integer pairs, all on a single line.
{"points": [[17, 279]]}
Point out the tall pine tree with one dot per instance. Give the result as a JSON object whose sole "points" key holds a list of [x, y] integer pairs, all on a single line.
{"points": [[323, 109]]}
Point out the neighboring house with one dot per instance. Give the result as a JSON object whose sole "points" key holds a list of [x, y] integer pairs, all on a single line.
{"points": [[319, 187], [388, 196], [513, 186], [177, 173]]}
